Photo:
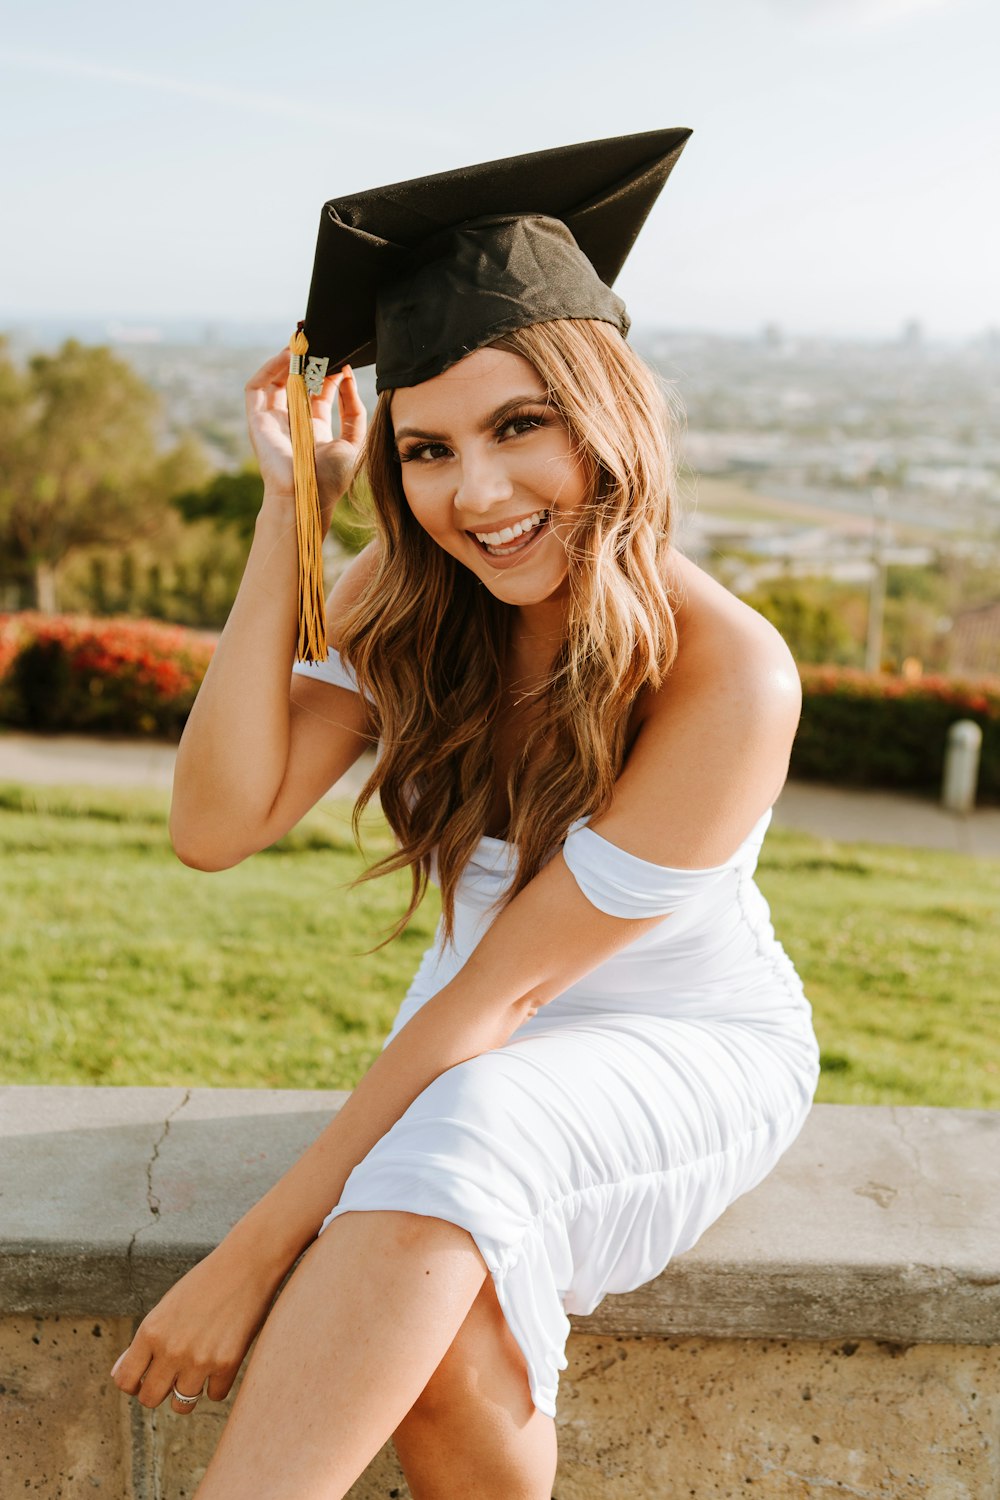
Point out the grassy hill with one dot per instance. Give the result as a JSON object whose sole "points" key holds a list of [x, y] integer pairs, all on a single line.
{"points": [[123, 966]]}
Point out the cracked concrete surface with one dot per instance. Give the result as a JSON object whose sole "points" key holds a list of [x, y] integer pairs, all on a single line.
{"points": [[153, 1204], [151, 1198], [816, 1338], [72, 1192], [876, 1223]]}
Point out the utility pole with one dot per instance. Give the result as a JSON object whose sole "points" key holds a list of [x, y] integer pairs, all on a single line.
{"points": [[876, 589]]}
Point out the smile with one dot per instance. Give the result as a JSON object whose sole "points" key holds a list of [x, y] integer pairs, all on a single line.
{"points": [[512, 539]]}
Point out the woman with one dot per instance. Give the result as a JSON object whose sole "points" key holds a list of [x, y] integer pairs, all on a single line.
{"points": [[581, 738]]}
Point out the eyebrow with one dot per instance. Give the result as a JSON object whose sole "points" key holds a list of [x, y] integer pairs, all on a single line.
{"points": [[534, 399]]}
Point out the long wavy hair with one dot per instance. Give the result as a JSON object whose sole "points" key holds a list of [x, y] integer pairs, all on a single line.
{"points": [[428, 642]]}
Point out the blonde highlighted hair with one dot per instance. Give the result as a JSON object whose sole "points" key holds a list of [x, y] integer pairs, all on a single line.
{"points": [[428, 642]]}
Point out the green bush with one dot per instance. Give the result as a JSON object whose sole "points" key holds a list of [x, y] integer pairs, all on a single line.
{"points": [[111, 676], [872, 729]]}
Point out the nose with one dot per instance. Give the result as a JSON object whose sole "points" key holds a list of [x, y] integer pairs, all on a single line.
{"points": [[484, 484]]}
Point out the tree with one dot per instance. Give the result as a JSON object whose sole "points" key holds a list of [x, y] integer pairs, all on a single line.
{"points": [[227, 500], [79, 465], [234, 500], [809, 615]]}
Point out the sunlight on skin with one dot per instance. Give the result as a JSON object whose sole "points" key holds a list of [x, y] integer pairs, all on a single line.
{"points": [[347, 1349], [496, 458]]}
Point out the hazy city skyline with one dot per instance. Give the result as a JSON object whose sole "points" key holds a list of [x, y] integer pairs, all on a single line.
{"points": [[840, 180]]}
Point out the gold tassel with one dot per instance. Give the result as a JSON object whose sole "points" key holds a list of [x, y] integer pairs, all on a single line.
{"points": [[308, 517]]}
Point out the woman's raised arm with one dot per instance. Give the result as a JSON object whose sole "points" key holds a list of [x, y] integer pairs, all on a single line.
{"points": [[242, 734]]}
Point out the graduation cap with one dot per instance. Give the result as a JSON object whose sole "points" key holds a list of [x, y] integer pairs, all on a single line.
{"points": [[416, 275]]}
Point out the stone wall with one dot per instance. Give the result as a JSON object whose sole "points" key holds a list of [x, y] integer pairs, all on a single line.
{"points": [[833, 1333]]}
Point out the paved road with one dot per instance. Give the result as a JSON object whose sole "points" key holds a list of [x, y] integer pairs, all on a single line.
{"points": [[831, 812]]}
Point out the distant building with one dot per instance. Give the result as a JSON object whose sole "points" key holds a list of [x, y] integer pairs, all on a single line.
{"points": [[973, 642]]}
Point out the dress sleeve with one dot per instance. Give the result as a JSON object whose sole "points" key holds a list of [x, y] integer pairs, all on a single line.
{"points": [[334, 670], [623, 885]]}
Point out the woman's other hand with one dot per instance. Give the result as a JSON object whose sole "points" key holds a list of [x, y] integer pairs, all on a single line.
{"points": [[201, 1330], [267, 420]]}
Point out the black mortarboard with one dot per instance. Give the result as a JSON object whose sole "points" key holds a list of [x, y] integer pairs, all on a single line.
{"points": [[415, 275]]}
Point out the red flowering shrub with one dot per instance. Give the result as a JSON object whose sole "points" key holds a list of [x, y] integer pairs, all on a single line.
{"points": [[127, 676], [114, 676], [871, 729]]}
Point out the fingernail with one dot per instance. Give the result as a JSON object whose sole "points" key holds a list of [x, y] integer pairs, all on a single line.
{"points": [[114, 1367]]}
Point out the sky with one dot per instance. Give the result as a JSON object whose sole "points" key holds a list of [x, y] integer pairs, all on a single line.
{"points": [[171, 161]]}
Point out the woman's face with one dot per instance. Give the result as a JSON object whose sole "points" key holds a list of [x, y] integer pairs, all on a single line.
{"points": [[489, 471]]}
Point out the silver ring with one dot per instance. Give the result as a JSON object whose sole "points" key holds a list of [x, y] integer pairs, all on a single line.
{"points": [[185, 1400]]}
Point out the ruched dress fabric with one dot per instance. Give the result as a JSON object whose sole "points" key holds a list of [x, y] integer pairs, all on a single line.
{"points": [[620, 1121]]}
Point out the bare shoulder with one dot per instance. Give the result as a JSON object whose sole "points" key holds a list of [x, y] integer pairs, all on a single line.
{"points": [[712, 745], [729, 659]]}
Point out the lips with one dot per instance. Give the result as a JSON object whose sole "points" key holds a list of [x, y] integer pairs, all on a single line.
{"points": [[511, 552], [500, 536]]}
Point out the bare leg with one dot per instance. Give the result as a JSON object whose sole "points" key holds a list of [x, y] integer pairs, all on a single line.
{"points": [[346, 1350], [474, 1432]]}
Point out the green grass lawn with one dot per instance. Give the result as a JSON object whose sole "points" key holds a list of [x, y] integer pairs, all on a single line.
{"points": [[123, 966]]}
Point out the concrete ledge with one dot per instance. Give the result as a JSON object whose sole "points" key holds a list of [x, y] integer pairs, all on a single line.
{"points": [[827, 1334], [878, 1223]]}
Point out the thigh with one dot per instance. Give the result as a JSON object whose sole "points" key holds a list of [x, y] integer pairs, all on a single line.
{"points": [[483, 1368], [581, 1158], [475, 1430]]}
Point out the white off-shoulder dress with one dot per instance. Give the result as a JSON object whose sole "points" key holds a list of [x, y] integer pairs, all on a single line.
{"points": [[620, 1121]]}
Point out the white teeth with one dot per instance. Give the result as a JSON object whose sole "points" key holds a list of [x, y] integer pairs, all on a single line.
{"points": [[520, 528]]}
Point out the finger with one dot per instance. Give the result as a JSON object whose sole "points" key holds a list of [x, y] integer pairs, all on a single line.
{"points": [[130, 1367], [273, 371], [353, 416], [220, 1382], [267, 412], [157, 1381], [262, 400], [322, 405], [189, 1383]]}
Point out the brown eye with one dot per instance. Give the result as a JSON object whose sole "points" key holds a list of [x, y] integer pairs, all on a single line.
{"points": [[520, 424], [424, 452]]}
